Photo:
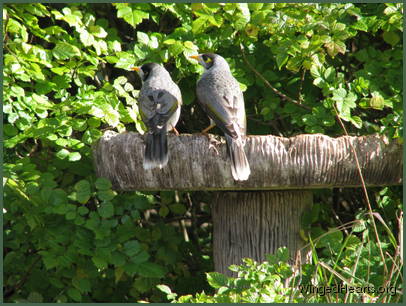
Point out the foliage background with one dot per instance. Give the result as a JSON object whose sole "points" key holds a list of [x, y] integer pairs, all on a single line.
{"points": [[68, 237]]}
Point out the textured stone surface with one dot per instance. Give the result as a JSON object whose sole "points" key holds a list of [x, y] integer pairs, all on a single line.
{"points": [[254, 224], [300, 162]]}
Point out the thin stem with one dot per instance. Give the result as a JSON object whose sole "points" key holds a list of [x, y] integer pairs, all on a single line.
{"points": [[364, 188], [299, 94]]}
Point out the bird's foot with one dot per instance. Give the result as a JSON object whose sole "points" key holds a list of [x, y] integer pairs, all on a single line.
{"points": [[213, 144], [208, 129], [175, 131]]}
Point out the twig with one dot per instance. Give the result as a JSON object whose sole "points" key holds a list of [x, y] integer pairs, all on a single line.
{"points": [[364, 188], [353, 274], [5, 28], [34, 148], [193, 221], [266, 123], [175, 219], [299, 94], [283, 96], [339, 220]]}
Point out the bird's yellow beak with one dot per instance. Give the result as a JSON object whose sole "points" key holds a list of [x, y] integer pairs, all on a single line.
{"points": [[135, 68], [196, 57]]}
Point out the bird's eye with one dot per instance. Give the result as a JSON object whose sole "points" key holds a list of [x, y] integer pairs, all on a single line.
{"points": [[206, 59]]}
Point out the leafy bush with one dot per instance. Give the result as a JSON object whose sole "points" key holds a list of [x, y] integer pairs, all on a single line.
{"points": [[68, 237], [358, 278]]}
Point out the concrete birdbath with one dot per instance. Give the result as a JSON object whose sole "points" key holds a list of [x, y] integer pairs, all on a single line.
{"points": [[255, 217]]}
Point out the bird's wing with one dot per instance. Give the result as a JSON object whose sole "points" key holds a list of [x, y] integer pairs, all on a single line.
{"points": [[157, 107], [225, 107]]}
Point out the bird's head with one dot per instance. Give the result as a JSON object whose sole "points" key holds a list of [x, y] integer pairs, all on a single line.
{"points": [[146, 70], [207, 60]]}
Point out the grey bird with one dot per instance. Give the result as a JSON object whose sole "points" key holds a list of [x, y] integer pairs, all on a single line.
{"points": [[160, 101], [222, 99]]}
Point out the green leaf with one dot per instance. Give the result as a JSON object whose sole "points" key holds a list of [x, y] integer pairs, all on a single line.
{"points": [[163, 211], [391, 38], [150, 269], [79, 125], [281, 59], [356, 121], [74, 294], [282, 254], [86, 38], [82, 284], [335, 47], [377, 101], [106, 210], [97, 31], [93, 122], [132, 247], [142, 38], [118, 273], [99, 262], [83, 192], [118, 259], [74, 156], [178, 208], [329, 74], [112, 117], [64, 50], [176, 48], [169, 41], [361, 25], [62, 154], [130, 15], [350, 99], [141, 257], [83, 210], [216, 280], [35, 297], [199, 24], [50, 261], [10, 130], [190, 45], [106, 195], [164, 289], [352, 242], [339, 94], [315, 71], [17, 91], [332, 240], [58, 197], [70, 215], [125, 60], [103, 183]]}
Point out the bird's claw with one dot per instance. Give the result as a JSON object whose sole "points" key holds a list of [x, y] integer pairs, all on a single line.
{"points": [[213, 143]]}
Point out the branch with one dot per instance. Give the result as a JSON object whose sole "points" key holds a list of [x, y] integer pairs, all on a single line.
{"points": [[283, 96]]}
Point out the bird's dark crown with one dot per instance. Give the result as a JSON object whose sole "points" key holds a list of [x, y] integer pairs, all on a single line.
{"points": [[147, 68]]}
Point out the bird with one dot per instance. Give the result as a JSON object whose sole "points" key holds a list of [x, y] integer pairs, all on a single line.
{"points": [[220, 96], [160, 103]]}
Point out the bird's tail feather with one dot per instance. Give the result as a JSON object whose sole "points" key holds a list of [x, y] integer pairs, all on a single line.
{"points": [[156, 150], [240, 167]]}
